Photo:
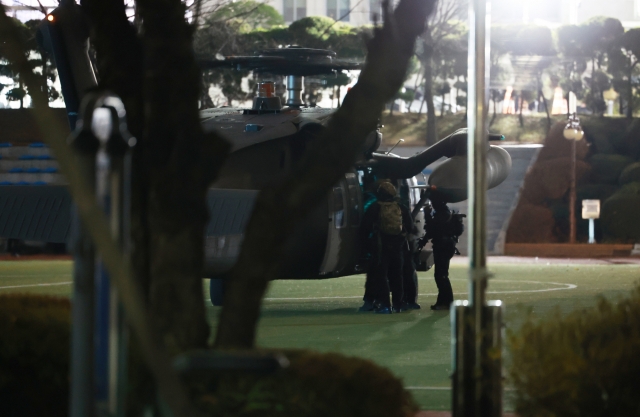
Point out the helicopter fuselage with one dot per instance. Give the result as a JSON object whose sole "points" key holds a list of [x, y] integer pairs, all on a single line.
{"points": [[265, 150]]}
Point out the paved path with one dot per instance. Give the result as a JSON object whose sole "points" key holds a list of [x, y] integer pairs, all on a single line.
{"points": [[521, 260], [448, 414], [500, 200]]}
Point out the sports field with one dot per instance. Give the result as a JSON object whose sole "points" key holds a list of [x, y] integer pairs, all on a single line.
{"points": [[415, 345]]}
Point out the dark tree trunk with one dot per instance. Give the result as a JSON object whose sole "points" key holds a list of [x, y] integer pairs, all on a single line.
{"points": [[277, 210], [495, 111], [593, 83], [455, 99], [630, 92], [21, 88], [205, 98], [174, 161], [442, 107], [520, 109], [432, 130], [182, 163], [546, 109]]}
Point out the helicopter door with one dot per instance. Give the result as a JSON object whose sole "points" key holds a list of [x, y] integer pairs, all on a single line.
{"points": [[337, 223]]}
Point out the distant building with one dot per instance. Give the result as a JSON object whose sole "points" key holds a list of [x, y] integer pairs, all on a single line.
{"points": [[355, 12], [564, 12]]}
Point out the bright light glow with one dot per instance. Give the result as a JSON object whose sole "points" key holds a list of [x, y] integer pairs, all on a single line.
{"points": [[50, 18]]}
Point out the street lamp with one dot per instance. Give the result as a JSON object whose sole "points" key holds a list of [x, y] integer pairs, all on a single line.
{"points": [[573, 132]]}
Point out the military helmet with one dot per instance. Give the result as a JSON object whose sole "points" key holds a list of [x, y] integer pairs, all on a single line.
{"points": [[388, 188]]}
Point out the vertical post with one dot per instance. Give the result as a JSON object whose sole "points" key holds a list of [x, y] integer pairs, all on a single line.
{"points": [[479, 41], [84, 145], [476, 324], [572, 195], [113, 170], [477, 143], [592, 231]]}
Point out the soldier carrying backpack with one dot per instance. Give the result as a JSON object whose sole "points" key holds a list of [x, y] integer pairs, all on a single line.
{"points": [[386, 224]]}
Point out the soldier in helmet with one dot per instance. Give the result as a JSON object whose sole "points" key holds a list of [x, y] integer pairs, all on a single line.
{"points": [[386, 223], [443, 227]]}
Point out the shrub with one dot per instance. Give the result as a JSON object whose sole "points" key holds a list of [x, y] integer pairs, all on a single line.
{"points": [[316, 384], [607, 135], [619, 214], [632, 139], [584, 364], [595, 192], [550, 179], [606, 169], [630, 174], [531, 224], [556, 146], [34, 355]]}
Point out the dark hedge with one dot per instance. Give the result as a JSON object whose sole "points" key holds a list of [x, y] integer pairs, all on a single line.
{"points": [[585, 364], [620, 214], [34, 355]]}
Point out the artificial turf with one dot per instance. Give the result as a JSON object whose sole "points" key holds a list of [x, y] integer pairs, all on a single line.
{"points": [[321, 314]]}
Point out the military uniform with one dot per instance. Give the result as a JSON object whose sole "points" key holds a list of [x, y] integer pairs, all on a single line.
{"points": [[443, 228], [386, 271]]}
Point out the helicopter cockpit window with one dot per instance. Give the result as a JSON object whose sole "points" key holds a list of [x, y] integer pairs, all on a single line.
{"points": [[354, 199], [340, 219]]}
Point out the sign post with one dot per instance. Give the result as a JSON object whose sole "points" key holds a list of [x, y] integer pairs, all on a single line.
{"points": [[591, 211]]}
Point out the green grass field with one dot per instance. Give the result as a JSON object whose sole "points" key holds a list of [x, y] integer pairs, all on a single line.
{"points": [[415, 345]]}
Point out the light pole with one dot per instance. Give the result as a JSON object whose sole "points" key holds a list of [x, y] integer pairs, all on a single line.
{"points": [[573, 132], [476, 323]]}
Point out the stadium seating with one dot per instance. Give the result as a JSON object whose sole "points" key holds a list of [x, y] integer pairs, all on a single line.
{"points": [[28, 165]]}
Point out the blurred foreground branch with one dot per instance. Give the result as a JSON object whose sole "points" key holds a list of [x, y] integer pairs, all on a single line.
{"points": [[171, 388], [277, 211]]}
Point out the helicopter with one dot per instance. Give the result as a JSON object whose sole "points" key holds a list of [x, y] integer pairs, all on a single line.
{"points": [[268, 141]]}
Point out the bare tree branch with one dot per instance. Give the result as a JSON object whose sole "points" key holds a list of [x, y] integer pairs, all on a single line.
{"points": [[335, 151]]}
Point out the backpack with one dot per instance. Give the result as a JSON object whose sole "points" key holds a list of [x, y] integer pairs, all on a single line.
{"points": [[390, 218]]}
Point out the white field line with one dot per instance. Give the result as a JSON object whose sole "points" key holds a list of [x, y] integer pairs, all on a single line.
{"points": [[444, 388], [566, 287], [37, 285], [31, 276]]}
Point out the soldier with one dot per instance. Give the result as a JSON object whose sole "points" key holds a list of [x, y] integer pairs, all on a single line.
{"points": [[386, 224], [443, 227]]}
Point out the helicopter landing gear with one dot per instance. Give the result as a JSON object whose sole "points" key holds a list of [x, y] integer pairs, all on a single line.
{"points": [[216, 291]]}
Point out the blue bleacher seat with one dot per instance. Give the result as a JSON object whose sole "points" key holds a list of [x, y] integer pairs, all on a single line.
{"points": [[49, 170], [6, 183], [39, 183], [37, 145], [43, 157], [23, 183], [33, 170], [5, 145], [27, 157], [16, 170]]}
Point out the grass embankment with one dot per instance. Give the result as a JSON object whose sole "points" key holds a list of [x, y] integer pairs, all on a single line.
{"points": [[413, 127]]}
